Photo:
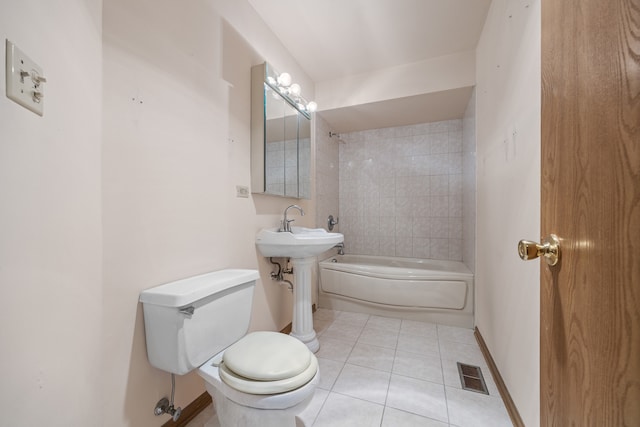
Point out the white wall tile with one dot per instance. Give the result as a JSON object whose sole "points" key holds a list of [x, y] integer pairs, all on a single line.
{"points": [[440, 228], [440, 143], [421, 207], [421, 247], [402, 190], [455, 206], [439, 164], [439, 185], [422, 228], [387, 226], [404, 246], [387, 206], [439, 206], [388, 245], [439, 248], [404, 226]]}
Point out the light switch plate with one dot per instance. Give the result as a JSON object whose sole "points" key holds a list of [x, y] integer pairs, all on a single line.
{"points": [[24, 79]]}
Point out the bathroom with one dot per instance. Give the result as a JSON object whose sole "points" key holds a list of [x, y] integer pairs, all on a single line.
{"points": [[129, 181]]}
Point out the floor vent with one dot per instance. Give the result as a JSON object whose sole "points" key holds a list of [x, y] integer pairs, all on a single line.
{"points": [[471, 378]]}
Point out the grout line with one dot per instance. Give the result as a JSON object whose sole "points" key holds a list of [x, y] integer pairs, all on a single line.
{"points": [[444, 385], [320, 410]]}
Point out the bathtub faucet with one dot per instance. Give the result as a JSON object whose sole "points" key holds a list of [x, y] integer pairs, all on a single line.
{"points": [[286, 223], [340, 247]]}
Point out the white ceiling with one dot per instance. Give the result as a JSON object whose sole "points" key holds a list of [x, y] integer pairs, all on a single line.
{"points": [[332, 39]]}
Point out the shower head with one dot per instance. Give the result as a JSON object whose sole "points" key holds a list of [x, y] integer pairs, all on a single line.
{"points": [[337, 136]]}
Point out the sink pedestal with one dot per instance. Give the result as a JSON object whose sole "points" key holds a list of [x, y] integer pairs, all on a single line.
{"points": [[302, 324], [301, 245]]}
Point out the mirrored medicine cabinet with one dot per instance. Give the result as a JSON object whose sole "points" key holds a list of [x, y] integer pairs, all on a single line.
{"points": [[280, 139]]}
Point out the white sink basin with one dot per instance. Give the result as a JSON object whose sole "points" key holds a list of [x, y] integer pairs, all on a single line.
{"points": [[300, 243]]}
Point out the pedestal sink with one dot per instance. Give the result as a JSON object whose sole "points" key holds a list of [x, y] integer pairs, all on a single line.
{"points": [[301, 245]]}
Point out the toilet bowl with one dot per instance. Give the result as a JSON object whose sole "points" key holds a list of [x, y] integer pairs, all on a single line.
{"points": [[274, 391], [261, 379]]}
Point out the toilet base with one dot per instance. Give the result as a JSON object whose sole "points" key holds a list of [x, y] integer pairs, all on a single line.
{"points": [[232, 414]]}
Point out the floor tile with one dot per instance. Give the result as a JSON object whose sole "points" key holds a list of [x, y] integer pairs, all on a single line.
{"points": [[372, 357], [343, 330], [464, 353], [418, 397], [334, 349], [379, 337], [455, 334], [363, 383], [471, 409], [396, 418], [345, 411], [418, 328], [423, 345], [359, 319], [329, 371], [386, 323], [308, 416], [423, 367], [321, 325], [326, 314]]}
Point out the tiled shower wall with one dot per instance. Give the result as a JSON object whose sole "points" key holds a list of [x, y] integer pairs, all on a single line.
{"points": [[327, 176], [401, 191]]}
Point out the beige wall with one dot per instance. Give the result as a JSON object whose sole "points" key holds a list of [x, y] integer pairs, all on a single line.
{"points": [[176, 143], [50, 220], [508, 202], [127, 182], [469, 184], [417, 78]]}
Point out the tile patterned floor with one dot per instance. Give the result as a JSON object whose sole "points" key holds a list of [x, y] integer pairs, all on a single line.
{"points": [[386, 372]]}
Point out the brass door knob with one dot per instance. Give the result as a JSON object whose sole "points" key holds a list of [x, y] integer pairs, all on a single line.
{"points": [[550, 249]]}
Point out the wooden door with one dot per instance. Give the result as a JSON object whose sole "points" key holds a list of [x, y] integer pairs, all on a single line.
{"points": [[590, 301]]}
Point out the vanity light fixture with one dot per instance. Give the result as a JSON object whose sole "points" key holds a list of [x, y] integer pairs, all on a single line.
{"points": [[284, 80], [295, 89], [284, 84]]}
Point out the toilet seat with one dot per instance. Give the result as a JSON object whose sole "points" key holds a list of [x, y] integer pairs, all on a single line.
{"points": [[250, 386], [267, 363]]}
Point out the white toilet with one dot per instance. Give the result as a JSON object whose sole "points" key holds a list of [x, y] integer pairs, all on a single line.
{"points": [[261, 379]]}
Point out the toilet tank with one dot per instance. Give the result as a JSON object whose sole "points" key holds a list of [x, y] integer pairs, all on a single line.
{"points": [[188, 321]]}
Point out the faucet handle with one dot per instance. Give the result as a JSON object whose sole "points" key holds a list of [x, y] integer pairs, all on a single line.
{"points": [[286, 225]]}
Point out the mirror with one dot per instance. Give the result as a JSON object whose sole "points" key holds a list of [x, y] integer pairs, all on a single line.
{"points": [[280, 140]]}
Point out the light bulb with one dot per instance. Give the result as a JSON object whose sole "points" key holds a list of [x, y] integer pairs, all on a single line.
{"points": [[312, 106], [284, 79], [295, 89]]}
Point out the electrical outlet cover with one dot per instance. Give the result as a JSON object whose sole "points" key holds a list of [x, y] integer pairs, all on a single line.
{"points": [[242, 191]]}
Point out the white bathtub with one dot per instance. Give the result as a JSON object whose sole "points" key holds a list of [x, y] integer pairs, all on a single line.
{"points": [[416, 289]]}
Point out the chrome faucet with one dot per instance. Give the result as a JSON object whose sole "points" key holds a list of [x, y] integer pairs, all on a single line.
{"points": [[286, 223]]}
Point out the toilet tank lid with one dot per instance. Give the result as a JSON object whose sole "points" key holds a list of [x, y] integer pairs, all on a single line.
{"points": [[186, 291]]}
